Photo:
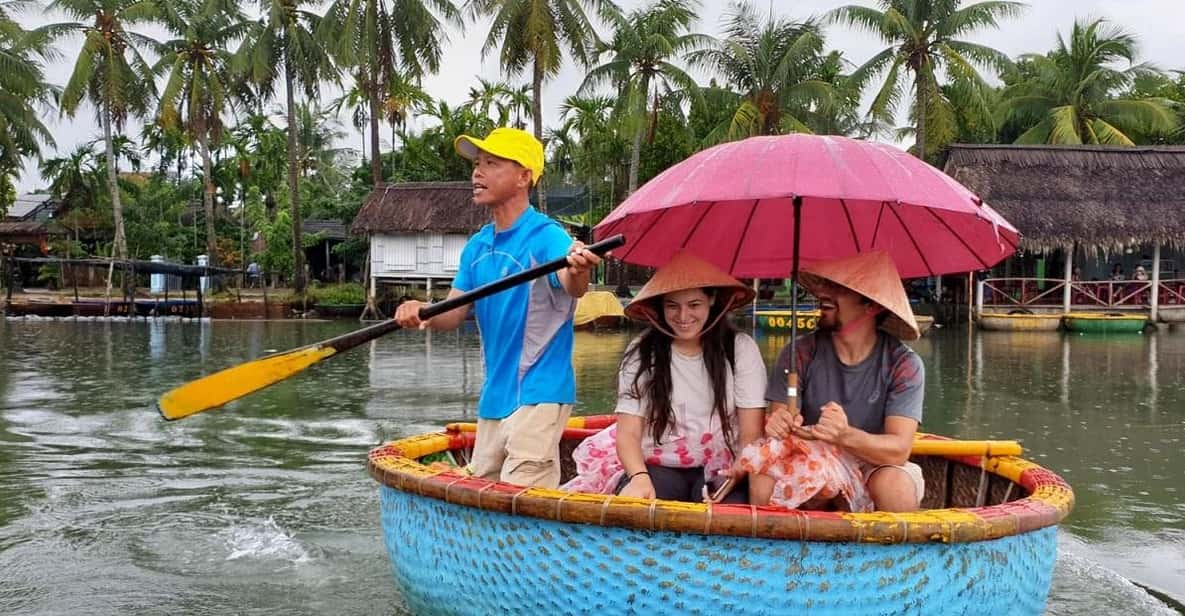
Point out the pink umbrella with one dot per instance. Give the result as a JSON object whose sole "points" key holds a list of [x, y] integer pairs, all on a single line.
{"points": [[756, 207], [733, 205]]}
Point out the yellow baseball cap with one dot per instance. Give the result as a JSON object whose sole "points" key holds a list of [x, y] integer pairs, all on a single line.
{"points": [[509, 143]]}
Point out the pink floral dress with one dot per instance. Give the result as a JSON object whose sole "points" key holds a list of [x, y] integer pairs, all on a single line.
{"points": [[808, 472], [598, 469]]}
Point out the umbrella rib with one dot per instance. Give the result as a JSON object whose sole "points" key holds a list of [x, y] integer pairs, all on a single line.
{"points": [[957, 236], [851, 227], [745, 231], [695, 227], [913, 241], [877, 229], [644, 234]]}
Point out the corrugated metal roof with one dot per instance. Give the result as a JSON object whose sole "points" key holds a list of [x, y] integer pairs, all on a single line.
{"points": [[25, 204]]}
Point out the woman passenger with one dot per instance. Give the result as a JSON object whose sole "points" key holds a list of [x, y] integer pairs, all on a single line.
{"points": [[690, 392]]}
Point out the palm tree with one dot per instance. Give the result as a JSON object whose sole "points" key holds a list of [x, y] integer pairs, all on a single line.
{"points": [[777, 66], [198, 81], [380, 45], [22, 90], [110, 73], [490, 96], [923, 39], [281, 46], [535, 33], [1068, 95], [644, 42]]}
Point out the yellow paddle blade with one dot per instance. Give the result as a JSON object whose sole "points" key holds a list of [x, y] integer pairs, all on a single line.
{"points": [[221, 387], [936, 447]]}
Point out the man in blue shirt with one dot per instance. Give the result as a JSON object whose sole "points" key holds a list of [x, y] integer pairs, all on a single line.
{"points": [[526, 332]]}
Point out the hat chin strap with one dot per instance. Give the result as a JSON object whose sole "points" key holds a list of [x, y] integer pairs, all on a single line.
{"points": [[652, 318], [868, 314]]}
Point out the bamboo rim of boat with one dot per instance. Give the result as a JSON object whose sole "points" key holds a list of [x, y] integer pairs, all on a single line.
{"points": [[1036, 317], [1104, 316], [1048, 501]]}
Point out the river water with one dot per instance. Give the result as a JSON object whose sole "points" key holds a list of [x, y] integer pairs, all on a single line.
{"points": [[265, 507]]}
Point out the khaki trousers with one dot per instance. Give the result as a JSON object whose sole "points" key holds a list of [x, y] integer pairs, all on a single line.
{"points": [[523, 448]]}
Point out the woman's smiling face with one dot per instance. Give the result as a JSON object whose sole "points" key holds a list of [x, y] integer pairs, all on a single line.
{"points": [[686, 312]]}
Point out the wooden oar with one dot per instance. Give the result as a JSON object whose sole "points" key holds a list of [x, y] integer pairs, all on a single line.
{"points": [[232, 383]]}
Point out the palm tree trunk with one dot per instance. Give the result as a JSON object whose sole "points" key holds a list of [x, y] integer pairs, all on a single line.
{"points": [[537, 111], [636, 153], [298, 281], [208, 198], [376, 160], [121, 242], [921, 113]]}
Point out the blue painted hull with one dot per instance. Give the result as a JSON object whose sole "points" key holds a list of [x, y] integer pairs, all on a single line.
{"points": [[452, 559]]}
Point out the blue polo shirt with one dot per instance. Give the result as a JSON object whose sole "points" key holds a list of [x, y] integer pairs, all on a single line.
{"points": [[526, 331]]}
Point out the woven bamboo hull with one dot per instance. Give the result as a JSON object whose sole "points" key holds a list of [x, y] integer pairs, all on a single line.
{"points": [[453, 559], [984, 543], [781, 321], [1020, 322], [925, 322], [1105, 324]]}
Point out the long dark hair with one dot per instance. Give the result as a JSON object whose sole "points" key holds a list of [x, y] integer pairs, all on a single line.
{"points": [[653, 352]]}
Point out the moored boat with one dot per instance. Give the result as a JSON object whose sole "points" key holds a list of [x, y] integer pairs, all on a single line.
{"points": [[1105, 323], [783, 320], [598, 310], [924, 321], [986, 542], [1019, 322]]}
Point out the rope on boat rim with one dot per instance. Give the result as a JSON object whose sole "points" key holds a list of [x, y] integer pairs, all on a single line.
{"points": [[482, 491], [559, 504], [514, 501], [450, 485], [605, 507]]}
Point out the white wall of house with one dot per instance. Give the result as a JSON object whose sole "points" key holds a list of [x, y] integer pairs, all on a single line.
{"points": [[416, 255]]}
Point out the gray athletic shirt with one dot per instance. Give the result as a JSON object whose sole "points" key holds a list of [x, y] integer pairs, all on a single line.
{"points": [[890, 381]]}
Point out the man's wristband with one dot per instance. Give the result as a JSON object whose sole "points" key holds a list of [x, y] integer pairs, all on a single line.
{"points": [[647, 473]]}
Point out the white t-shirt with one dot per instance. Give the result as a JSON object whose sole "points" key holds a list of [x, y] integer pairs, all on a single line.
{"points": [[691, 391]]}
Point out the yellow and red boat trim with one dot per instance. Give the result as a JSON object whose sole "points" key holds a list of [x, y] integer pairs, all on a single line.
{"points": [[1049, 499]]}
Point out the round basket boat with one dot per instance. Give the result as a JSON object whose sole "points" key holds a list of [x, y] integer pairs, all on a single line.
{"points": [[1105, 323], [782, 321], [985, 544], [1021, 322], [925, 322]]}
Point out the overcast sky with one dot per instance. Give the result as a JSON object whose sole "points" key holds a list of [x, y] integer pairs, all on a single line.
{"points": [[1156, 23]]}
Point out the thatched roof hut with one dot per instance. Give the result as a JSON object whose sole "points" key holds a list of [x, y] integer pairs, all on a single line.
{"points": [[420, 207], [1097, 196]]}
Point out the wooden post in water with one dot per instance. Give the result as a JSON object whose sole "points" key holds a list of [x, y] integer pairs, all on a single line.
{"points": [[1155, 299], [1069, 279]]}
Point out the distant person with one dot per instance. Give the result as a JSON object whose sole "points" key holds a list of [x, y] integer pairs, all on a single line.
{"points": [[252, 275], [623, 290], [526, 332], [1141, 274], [1117, 272]]}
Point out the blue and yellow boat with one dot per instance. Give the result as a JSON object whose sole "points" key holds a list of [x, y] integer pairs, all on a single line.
{"points": [[782, 320], [985, 544]]}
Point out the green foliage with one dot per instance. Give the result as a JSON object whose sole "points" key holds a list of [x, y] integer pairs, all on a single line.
{"points": [[338, 293], [925, 40], [780, 69], [1070, 95]]}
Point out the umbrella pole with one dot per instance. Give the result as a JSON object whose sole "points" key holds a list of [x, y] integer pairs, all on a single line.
{"points": [[792, 373]]}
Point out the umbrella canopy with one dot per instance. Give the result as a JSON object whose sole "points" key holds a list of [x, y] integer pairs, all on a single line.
{"points": [[733, 206]]}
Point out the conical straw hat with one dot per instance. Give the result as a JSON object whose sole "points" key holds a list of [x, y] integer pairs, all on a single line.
{"points": [[873, 275], [686, 271]]}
